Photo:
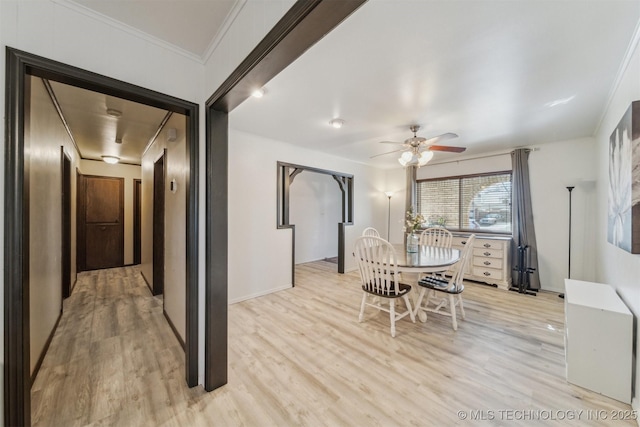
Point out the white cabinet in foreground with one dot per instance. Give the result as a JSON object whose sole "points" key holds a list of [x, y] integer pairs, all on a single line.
{"points": [[598, 339]]}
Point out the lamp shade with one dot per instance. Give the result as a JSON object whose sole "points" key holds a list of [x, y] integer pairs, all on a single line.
{"points": [[413, 158], [111, 159]]}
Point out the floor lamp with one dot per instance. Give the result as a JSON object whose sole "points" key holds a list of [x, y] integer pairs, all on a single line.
{"points": [[569, 263], [389, 194]]}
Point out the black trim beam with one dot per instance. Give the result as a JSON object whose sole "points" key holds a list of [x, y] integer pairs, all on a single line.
{"points": [[301, 27], [216, 299]]}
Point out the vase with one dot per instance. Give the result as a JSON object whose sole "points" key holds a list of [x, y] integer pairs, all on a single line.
{"points": [[412, 242]]}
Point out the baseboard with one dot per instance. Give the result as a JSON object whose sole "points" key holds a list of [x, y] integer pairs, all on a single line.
{"points": [[260, 294], [173, 328], [36, 369], [73, 285], [147, 282]]}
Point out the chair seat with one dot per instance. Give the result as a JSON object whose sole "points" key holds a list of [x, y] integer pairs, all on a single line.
{"points": [[439, 284], [403, 288]]}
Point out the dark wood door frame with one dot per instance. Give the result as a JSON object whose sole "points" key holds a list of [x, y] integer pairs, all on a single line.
{"points": [[286, 174], [159, 173], [301, 27], [137, 220], [65, 169], [19, 67]]}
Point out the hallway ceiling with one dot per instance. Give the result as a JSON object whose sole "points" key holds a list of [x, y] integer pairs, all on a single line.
{"points": [[500, 74]]}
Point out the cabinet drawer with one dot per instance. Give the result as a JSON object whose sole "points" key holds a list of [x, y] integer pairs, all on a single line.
{"points": [[459, 242], [487, 262], [487, 273], [488, 244], [491, 253]]}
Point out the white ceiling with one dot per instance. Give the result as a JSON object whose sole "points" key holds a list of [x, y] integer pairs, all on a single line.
{"points": [[487, 70], [191, 25]]}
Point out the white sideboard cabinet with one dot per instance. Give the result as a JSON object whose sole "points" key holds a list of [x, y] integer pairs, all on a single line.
{"points": [[598, 339], [490, 259]]}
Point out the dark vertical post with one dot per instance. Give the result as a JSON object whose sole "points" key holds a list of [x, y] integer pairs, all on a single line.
{"points": [[217, 256]]}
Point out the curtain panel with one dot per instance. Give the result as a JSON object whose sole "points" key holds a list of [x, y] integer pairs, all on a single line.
{"points": [[524, 233]]}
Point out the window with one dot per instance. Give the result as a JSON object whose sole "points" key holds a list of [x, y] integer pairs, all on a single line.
{"points": [[472, 202]]}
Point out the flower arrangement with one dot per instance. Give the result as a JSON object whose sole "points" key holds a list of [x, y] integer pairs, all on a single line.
{"points": [[413, 221]]}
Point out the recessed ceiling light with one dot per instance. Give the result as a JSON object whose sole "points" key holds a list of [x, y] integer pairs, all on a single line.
{"points": [[258, 93], [112, 160], [337, 123], [113, 112]]}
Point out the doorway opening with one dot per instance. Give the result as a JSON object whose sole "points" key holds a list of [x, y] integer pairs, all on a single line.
{"points": [[21, 66], [287, 172]]}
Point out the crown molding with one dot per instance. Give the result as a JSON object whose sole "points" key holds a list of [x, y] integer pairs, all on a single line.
{"points": [[624, 65], [69, 4], [222, 31]]}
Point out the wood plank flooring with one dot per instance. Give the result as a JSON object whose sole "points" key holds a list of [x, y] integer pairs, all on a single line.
{"points": [[299, 357]]}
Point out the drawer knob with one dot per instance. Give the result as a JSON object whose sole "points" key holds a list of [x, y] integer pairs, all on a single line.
{"points": [[486, 273], [464, 242], [487, 253], [487, 245], [487, 263]]}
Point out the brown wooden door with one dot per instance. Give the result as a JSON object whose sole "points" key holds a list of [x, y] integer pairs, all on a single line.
{"points": [[100, 222]]}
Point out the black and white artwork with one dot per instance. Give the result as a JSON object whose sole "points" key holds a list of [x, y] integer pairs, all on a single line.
{"points": [[623, 225]]}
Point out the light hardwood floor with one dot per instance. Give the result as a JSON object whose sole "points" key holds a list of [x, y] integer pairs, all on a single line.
{"points": [[299, 357]]}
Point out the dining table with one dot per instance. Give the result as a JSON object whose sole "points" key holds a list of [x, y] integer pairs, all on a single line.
{"points": [[427, 259]]}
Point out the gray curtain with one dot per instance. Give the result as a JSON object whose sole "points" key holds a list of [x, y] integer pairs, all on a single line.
{"points": [[524, 233]]}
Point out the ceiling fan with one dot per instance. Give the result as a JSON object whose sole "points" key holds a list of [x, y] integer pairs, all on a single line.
{"points": [[417, 151]]}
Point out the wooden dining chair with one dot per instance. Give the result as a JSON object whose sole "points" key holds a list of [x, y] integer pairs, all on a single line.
{"points": [[370, 231], [436, 236], [444, 294], [377, 264]]}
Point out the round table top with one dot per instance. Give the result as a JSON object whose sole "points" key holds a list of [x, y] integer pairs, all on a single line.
{"points": [[427, 257]]}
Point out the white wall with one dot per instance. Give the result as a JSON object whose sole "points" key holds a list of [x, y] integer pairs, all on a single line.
{"points": [[45, 135], [253, 235], [614, 265], [315, 207], [129, 173]]}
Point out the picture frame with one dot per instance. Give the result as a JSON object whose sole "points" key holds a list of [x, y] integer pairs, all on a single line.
{"points": [[623, 216]]}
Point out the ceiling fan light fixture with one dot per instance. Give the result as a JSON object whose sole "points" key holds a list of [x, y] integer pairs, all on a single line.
{"points": [[409, 158], [425, 156], [112, 160]]}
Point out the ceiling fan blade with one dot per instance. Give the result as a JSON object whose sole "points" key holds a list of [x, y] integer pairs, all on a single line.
{"points": [[447, 148], [390, 152], [443, 137], [391, 142]]}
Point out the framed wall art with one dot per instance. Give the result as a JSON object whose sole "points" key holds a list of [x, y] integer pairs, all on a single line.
{"points": [[623, 218]]}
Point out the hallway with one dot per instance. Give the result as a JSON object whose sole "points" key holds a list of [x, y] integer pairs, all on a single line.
{"points": [[113, 360]]}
